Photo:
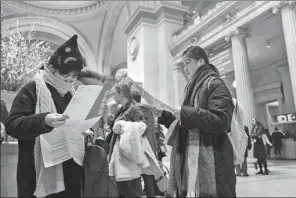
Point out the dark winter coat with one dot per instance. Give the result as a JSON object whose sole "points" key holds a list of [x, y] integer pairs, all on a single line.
{"points": [[23, 124], [249, 146], [276, 138], [212, 121], [111, 139], [4, 111], [95, 164], [150, 132], [259, 150]]}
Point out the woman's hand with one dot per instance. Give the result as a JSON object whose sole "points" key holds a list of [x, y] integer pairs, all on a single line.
{"points": [[157, 112], [88, 132], [177, 113], [117, 128], [55, 119]]}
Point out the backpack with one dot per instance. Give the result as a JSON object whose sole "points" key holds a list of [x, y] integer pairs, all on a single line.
{"points": [[96, 172], [237, 135]]}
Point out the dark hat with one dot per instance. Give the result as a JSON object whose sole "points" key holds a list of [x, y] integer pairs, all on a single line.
{"points": [[125, 89], [67, 57]]}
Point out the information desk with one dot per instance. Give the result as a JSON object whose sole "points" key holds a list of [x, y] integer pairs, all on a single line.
{"points": [[289, 143], [9, 154]]}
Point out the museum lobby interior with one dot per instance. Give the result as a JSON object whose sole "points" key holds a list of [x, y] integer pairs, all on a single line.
{"points": [[252, 43]]}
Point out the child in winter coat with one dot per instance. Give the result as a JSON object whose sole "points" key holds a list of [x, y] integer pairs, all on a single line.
{"points": [[132, 153], [121, 166]]}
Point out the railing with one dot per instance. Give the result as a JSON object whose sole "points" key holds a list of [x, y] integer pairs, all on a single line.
{"points": [[150, 4], [155, 4], [198, 18]]}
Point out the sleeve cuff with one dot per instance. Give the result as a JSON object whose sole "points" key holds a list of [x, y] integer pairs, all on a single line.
{"points": [[46, 128]]}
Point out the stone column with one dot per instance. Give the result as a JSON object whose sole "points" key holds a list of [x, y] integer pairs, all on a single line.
{"points": [[179, 83], [153, 30], [289, 26], [242, 73]]}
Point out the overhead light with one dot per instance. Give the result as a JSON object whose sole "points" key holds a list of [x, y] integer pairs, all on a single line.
{"points": [[234, 84]]}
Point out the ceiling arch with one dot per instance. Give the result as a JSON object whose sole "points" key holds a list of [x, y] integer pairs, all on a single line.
{"points": [[63, 8], [52, 26], [106, 40], [118, 67]]}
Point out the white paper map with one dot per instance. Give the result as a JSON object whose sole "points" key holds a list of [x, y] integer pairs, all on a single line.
{"points": [[67, 142]]}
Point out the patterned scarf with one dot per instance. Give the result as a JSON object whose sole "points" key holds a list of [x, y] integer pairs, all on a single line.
{"points": [[61, 86], [192, 171]]}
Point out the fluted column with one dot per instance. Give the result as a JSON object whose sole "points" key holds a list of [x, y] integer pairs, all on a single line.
{"points": [[289, 26], [242, 73], [179, 83]]}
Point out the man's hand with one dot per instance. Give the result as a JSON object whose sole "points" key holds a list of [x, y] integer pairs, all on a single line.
{"points": [[55, 119], [177, 113]]}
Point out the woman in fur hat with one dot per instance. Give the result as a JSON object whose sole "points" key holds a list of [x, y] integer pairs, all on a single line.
{"points": [[202, 155], [37, 109]]}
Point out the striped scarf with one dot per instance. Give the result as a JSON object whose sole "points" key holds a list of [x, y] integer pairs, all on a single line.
{"points": [[192, 171], [48, 180]]}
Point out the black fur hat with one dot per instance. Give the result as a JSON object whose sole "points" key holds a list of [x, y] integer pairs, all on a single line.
{"points": [[67, 57]]}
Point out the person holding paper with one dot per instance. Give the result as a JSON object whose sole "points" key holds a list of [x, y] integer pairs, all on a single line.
{"points": [[202, 155], [37, 109]]}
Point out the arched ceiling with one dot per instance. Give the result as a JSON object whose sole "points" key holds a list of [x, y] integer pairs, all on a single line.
{"points": [[63, 8], [61, 4], [59, 29]]}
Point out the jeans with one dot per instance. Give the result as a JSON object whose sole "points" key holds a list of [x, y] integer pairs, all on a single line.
{"points": [[131, 188], [149, 185]]}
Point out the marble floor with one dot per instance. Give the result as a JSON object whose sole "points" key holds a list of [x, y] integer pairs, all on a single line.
{"points": [[281, 182]]}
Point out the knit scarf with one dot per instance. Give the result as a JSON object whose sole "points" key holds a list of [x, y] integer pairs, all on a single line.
{"points": [[61, 86], [192, 171], [48, 180]]}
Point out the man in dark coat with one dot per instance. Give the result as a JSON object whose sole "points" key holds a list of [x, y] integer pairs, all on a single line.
{"points": [[25, 125], [202, 159], [277, 137]]}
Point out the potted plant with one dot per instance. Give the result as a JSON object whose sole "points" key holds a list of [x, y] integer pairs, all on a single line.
{"points": [[21, 56]]}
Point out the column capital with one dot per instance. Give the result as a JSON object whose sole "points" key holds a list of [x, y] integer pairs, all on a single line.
{"points": [[150, 12], [238, 32], [283, 4]]}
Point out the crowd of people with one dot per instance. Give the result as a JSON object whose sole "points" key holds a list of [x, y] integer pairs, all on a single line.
{"points": [[202, 157]]}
